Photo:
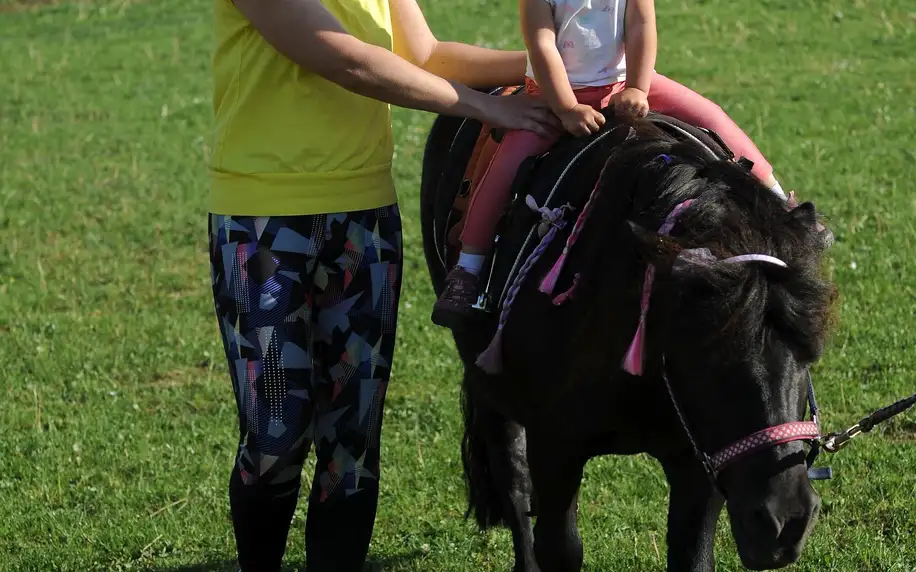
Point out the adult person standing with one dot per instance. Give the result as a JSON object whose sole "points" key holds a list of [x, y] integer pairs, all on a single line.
{"points": [[305, 244]]}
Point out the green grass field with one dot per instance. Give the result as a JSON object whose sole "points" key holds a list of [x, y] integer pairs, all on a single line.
{"points": [[117, 417]]}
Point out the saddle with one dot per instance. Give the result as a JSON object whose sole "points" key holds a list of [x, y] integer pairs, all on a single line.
{"points": [[543, 177]]}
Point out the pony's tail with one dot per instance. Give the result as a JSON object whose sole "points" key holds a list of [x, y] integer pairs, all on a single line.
{"points": [[484, 433]]}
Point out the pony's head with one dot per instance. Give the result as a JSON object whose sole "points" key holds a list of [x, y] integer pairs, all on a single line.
{"points": [[735, 337]]}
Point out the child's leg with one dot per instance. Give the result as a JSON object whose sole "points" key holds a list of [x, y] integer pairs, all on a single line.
{"points": [[493, 188], [493, 183], [479, 164], [671, 98], [484, 159], [454, 304], [482, 156]]}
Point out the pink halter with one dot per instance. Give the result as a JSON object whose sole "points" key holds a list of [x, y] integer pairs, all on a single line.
{"points": [[633, 360]]}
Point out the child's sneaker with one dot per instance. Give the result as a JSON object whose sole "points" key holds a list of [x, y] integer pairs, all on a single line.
{"points": [[453, 307]]}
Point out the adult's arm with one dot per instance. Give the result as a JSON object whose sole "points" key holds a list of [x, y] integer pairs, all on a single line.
{"points": [[308, 34], [473, 66]]}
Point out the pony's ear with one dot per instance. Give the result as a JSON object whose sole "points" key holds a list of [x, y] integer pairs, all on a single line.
{"points": [[655, 248], [806, 215]]}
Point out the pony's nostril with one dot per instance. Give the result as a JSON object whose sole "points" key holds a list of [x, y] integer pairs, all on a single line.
{"points": [[766, 522], [796, 526], [793, 530]]}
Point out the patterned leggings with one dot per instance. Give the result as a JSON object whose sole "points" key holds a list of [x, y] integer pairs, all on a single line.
{"points": [[307, 308]]}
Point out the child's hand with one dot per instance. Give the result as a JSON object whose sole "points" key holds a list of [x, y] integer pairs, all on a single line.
{"points": [[582, 120], [631, 101]]}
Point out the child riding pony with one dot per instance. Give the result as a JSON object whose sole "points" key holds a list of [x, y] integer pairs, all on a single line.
{"points": [[583, 55]]}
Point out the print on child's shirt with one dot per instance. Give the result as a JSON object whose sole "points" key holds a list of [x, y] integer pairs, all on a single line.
{"points": [[590, 41]]}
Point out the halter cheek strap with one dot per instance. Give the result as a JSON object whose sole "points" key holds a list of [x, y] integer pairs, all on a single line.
{"points": [[633, 360]]}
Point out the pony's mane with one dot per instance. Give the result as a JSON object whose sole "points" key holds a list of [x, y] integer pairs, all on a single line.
{"points": [[732, 214]]}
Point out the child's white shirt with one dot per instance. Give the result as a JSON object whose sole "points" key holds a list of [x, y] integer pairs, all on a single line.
{"points": [[590, 40]]}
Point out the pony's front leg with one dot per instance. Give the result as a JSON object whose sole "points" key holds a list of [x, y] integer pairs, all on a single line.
{"points": [[555, 476], [693, 514]]}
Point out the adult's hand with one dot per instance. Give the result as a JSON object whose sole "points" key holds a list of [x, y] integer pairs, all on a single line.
{"points": [[520, 112]]}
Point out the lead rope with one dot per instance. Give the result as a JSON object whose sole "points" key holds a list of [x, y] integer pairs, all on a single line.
{"points": [[836, 441]]}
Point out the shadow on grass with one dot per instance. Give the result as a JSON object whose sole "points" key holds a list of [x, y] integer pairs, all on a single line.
{"points": [[373, 565]]}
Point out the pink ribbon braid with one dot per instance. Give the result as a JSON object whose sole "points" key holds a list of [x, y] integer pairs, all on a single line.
{"points": [[633, 360]]}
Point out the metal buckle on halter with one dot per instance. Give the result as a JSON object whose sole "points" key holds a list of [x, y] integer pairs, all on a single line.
{"points": [[711, 472], [815, 473]]}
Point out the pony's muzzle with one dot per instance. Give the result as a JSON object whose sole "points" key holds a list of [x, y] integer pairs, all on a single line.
{"points": [[771, 532]]}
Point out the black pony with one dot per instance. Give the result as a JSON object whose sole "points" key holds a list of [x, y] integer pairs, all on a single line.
{"points": [[727, 349]]}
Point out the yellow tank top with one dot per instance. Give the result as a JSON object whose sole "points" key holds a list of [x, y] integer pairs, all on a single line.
{"points": [[287, 141]]}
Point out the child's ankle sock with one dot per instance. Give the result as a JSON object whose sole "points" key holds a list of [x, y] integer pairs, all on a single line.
{"points": [[473, 263]]}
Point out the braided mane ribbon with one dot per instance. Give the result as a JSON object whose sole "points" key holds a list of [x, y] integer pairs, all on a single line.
{"points": [[633, 361], [490, 360], [550, 279]]}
